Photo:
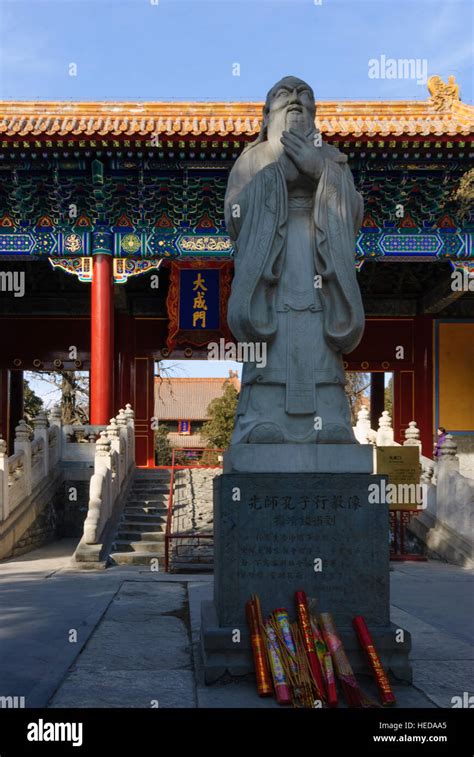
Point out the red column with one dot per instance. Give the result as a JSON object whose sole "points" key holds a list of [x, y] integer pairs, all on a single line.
{"points": [[143, 404], [102, 341], [403, 403], [377, 398]]}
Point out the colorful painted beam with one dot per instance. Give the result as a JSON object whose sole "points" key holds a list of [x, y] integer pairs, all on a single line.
{"points": [[387, 243]]}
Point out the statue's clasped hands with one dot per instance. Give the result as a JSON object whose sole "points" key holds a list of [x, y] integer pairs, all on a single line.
{"points": [[303, 153]]}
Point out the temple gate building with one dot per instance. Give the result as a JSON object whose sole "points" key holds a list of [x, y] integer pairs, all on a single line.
{"points": [[111, 217], [182, 405]]}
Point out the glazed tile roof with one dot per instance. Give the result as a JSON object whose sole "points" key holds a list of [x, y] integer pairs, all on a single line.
{"points": [[442, 114], [187, 398]]}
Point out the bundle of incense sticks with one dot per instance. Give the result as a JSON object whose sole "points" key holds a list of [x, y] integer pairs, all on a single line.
{"points": [[326, 663], [280, 680], [352, 692], [283, 622], [307, 634], [293, 659], [365, 639], [259, 649], [309, 692]]}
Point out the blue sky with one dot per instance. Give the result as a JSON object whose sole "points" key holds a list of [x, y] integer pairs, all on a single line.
{"points": [[181, 49]]}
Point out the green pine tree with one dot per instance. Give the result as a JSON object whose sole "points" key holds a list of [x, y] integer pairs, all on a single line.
{"points": [[162, 446], [221, 416], [32, 404], [388, 392]]}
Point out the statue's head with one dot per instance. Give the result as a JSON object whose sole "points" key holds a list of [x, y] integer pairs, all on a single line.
{"points": [[289, 105]]}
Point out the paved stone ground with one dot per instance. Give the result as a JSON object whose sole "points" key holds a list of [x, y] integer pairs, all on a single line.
{"points": [[137, 635]]}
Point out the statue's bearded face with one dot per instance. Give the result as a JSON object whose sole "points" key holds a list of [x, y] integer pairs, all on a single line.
{"points": [[290, 105]]}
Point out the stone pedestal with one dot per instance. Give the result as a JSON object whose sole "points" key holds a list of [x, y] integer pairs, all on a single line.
{"points": [[276, 533], [299, 458]]}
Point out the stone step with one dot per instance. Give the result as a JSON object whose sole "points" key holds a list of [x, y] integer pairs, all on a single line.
{"points": [[135, 558], [125, 534], [161, 483], [151, 496], [145, 510], [135, 517], [154, 500], [152, 476], [138, 525], [151, 484], [122, 545], [191, 567]]}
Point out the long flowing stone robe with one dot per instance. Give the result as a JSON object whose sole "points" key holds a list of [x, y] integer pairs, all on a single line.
{"points": [[283, 239]]}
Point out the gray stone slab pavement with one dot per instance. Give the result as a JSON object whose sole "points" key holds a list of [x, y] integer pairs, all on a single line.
{"points": [[43, 599], [134, 646], [435, 602], [140, 653]]}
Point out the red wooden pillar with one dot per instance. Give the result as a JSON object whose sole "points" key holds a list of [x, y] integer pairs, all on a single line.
{"points": [[377, 398], [102, 340], [424, 381], [403, 403], [143, 404]]}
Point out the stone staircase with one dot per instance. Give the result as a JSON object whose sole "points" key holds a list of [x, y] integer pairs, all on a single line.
{"points": [[193, 516], [140, 534]]}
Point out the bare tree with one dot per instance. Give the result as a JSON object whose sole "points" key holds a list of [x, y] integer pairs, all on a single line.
{"points": [[70, 389], [356, 389]]}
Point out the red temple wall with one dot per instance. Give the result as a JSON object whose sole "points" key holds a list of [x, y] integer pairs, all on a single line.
{"points": [[138, 341]]}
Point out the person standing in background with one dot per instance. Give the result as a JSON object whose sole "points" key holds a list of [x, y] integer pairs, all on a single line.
{"points": [[441, 437]]}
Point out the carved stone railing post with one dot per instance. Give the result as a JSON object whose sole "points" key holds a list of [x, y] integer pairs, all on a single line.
{"points": [[121, 418], [412, 436], [106, 458], [55, 422], [99, 491], [130, 416], [4, 506], [113, 433], [117, 447], [122, 423], [362, 428], [41, 431], [448, 453], [113, 449], [128, 412], [385, 430], [102, 451], [22, 444], [427, 472]]}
